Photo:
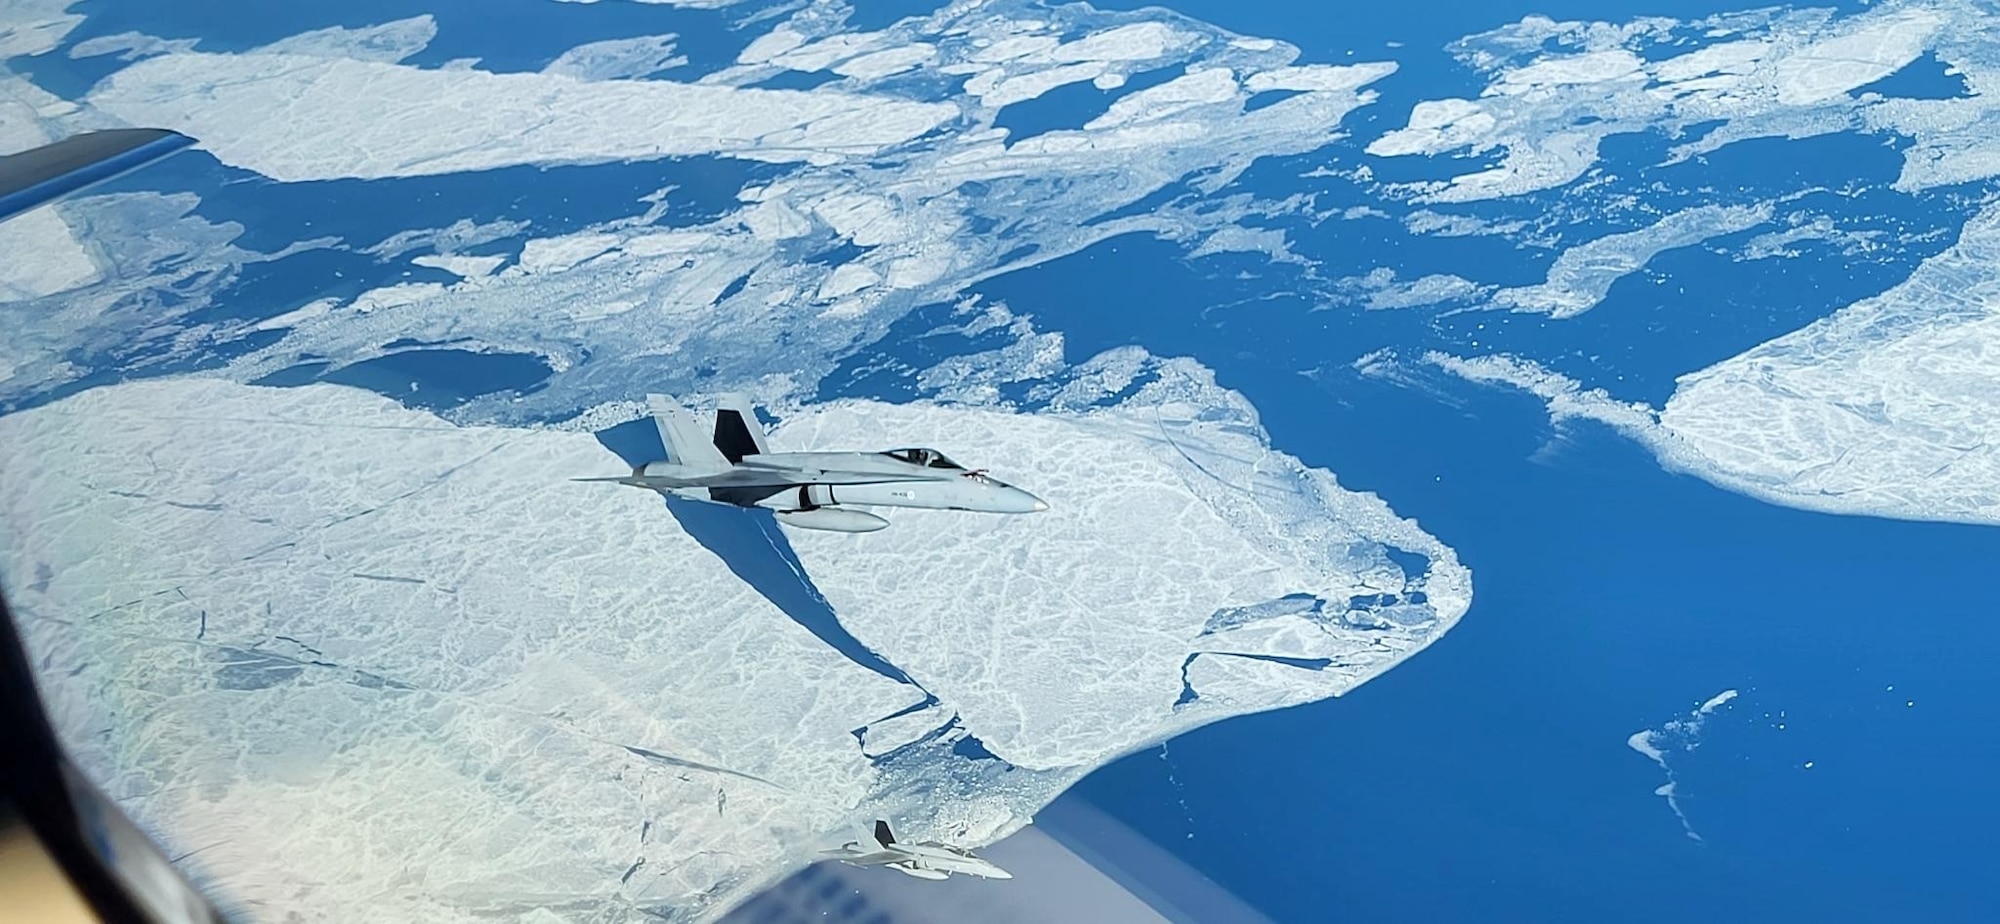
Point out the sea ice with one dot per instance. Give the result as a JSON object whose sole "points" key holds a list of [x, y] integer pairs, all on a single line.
{"points": [[619, 59], [387, 43], [33, 27], [713, 289], [1889, 407], [1677, 735], [1555, 90], [293, 117], [141, 245], [1380, 289], [398, 637], [1583, 275], [60, 263]]}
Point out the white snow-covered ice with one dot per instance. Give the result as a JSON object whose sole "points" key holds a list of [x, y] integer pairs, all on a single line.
{"points": [[341, 103], [361, 118], [1884, 408], [1889, 407], [33, 27], [1556, 90], [60, 261], [1582, 275], [399, 637]]}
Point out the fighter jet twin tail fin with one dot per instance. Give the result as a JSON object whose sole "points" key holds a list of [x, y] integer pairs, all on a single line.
{"points": [[686, 445], [736, 431]]}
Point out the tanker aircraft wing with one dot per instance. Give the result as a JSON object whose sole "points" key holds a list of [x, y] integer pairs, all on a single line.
{"points": [[40, 175]]}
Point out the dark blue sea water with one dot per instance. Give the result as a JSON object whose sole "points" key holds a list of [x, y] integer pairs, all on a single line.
{"points": [[1489, 778]]}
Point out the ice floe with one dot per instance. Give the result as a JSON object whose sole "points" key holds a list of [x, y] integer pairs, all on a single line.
{"points": [[1684, 734], [387, 43], [462, 266], [445, 241], [1889, 407], [130, 46], [1379, 288], [348, 117], [717, 288], [618, 59], [60, 262], [1556, 90], [1426, 221], [1582, 275], [1566, 398], [403, 637], [33, 27], [1780, 244]]}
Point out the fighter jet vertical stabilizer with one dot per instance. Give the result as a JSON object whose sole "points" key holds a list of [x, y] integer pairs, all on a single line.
{"points": [[736, 431], [686, 448]]}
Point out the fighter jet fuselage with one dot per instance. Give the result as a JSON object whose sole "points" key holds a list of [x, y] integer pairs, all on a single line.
{"points": [[811, 490]]}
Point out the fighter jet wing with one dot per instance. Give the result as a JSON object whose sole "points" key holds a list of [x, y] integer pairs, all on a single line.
{"points": [[737, 432], [747, 478], [33, 177], [753, 477], [851, 857]]}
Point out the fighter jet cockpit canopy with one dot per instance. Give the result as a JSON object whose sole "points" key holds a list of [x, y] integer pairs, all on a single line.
{"points": [[926, 457]]}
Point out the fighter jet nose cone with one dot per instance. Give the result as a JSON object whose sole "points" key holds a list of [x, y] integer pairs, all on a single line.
{"points": [[1014, 500]]}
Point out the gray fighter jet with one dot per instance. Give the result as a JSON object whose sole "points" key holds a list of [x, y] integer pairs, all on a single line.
{"points": [[811, 490], [924, 861]]}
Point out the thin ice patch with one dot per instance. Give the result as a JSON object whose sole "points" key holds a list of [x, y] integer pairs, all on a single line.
{"points": [[1683, 735]]}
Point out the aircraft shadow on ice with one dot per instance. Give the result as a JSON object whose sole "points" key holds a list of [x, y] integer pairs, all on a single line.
{"points": [[750, 543]]}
